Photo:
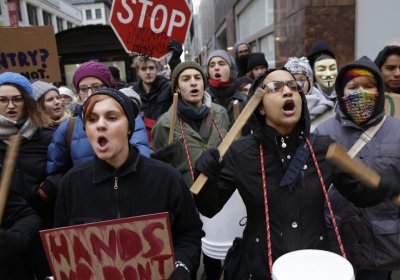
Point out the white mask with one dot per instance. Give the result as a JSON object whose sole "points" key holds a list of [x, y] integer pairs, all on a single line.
{"points": [[326, 72]]}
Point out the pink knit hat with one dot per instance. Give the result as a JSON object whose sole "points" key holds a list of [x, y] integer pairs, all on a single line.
{"points": [[93, 69]]}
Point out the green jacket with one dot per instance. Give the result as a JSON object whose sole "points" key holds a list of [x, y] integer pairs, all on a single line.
{"points": [[195, 143]]}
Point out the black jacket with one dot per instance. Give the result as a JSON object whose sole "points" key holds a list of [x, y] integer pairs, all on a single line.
{"points": [[145, 186], [18, 229], [158, 100]]}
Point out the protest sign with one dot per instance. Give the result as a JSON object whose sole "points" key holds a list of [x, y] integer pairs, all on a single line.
{"points": [[130, 248], [30, 51]]}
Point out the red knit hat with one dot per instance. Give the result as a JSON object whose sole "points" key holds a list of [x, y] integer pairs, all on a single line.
{"points": [[93, 69]]}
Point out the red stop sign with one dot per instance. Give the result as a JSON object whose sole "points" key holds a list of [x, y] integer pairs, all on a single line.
{"points": [[145, 27]]}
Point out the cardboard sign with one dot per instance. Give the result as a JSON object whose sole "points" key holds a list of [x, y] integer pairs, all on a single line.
{"points": [[392, 105], [130, 248], [31, 51]]}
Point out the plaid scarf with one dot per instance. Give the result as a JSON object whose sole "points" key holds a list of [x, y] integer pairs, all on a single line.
{"points": [[9, 127]]}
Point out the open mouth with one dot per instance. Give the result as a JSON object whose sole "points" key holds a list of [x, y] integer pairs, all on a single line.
{"points": [[194, 91], [102, 141], [288, 106], [218, 75]]}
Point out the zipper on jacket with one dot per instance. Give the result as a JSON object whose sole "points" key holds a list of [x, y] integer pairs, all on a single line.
{"points": [[117, 197]]}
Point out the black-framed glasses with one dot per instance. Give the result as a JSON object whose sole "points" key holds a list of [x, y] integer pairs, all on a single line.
{"points": [[15, 100], [94, 87], [277, 86]]}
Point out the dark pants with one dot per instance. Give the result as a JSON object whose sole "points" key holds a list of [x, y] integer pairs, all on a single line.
{"points": [[372, 275], [212, 268]]}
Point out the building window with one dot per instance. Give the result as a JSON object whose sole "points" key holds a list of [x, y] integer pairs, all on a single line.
{"points": [[19, 10], [98, 13], [88, 14], [59, 24], [256, 16], [267, 44], [32, 15], [47, 18], [69, 25]]}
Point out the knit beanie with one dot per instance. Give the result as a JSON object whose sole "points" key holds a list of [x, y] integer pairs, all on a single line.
{"points": [[355, 72], [40, 88], [133, 95], [256, 59], [130, 108], [16, 79], [182, 67], [317, 50], [225, 56], [66, 91], [93, 69], [300, 65]]}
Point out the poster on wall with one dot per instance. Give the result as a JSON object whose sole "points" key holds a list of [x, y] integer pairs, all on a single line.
{"points": [[30, 51], [129, 248]]}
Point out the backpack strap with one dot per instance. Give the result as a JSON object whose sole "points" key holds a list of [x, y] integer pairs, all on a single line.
{"points": [[70, 130]]}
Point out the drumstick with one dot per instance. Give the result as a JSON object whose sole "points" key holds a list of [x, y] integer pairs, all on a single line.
{"points": [[8, 170], [236, 113], [173, 118], [338, 155], [230, 137]]}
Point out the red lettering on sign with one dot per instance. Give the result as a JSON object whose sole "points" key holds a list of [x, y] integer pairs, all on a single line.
{"points": [[129, 244], [111, 273], [98, 245], [80, 251], [83, 272], [144, 273], [59, 250], [161, 265], [156, 244]]}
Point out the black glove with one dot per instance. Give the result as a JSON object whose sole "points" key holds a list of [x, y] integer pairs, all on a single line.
{"points": [[180, 273], [209, 163], [166, 154], [176, 48], [388, 183]]}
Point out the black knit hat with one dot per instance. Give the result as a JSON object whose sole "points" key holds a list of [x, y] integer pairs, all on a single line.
{"points": [[256, 59], [130, 108], [182, 67], [318, 49]]}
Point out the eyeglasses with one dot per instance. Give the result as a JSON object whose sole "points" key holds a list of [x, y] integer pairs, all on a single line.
{"points": [[15, 100], [277, 86], [94, 87]]}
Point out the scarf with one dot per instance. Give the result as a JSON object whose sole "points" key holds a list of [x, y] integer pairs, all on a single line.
{"points": [[9, 128], [218, 83], [56, 123], [360, 105]]}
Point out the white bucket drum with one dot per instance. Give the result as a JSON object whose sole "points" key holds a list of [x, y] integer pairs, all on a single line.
{"points": [[222, 229], [312, 265]]}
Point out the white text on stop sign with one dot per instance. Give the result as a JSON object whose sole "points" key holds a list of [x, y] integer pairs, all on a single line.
{"points": [[157, 12]]}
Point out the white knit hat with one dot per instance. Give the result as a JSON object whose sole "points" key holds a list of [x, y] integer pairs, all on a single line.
{"points": [[66, 91]]}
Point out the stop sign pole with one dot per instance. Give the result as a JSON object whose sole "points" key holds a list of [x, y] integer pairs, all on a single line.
{"points": [[145, 27]]}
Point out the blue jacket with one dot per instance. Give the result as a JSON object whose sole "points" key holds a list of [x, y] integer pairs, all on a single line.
{"points": [[59, 157]]}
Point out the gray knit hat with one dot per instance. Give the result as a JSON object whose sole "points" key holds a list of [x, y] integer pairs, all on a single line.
{"points": [[300, 65], [40, 88], [225, 56], [132, 95], [182, 67]]}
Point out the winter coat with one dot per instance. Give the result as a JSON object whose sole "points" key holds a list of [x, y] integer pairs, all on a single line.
{"points": [[358, 226], [196, 144], [294, 193], [19, 227], [144, 186], [61, 157], [320, 107], [157, 101], [30, 170]]}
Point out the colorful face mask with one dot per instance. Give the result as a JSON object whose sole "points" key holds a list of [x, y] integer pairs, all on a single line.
{"points": [[360, 105]]}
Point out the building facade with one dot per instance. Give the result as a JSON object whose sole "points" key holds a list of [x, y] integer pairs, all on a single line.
{"points": [[59, 14], [283, 28], [93, 11]]}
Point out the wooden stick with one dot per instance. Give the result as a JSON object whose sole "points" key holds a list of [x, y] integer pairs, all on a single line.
{"points": [[8, 170], [338, 155], [230, 137], [173, 118], [236, 113]]}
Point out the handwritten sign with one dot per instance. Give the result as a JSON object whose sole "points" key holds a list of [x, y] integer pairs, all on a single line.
{"points": [[30, 51], [130, 248], [392, 105]]}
